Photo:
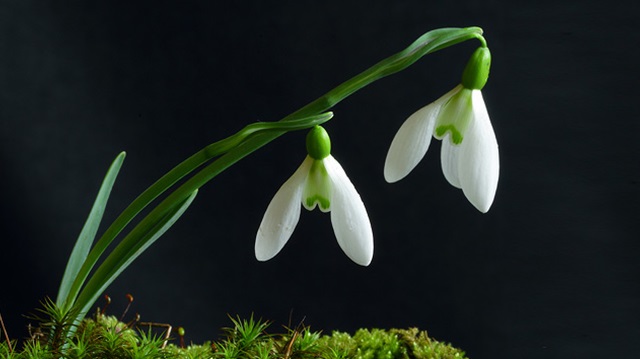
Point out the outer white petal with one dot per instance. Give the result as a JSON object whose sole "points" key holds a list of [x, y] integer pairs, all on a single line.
{"points": [[282, 215], [449, 159], [412, 140], [479, 162], [349, 217]]}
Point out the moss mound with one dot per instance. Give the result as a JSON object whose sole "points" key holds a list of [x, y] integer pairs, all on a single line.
{"points": [[106, 337]]}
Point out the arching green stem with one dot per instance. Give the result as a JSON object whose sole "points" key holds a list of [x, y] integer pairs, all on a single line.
{"points": [[67, 299], [226, 153]]}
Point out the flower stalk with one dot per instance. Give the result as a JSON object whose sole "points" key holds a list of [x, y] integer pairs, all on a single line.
{"points": [[79, 291]]}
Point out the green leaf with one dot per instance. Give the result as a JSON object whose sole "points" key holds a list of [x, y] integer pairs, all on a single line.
{"points": [[136, 242], [89, 230], [177, 173]]}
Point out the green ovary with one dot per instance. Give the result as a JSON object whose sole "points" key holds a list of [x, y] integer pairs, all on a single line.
{"points": [[318, 143]]}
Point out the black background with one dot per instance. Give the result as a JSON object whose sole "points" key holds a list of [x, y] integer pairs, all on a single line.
{"points": [[550, 272]]}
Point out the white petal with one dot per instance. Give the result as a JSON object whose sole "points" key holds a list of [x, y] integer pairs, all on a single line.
{"points": [[349, 217], [412, 140], [479, 162], [449, 154], [282, 215]]}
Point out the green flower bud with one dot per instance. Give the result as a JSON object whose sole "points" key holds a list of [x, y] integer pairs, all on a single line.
{"points": [[318, 143], [476, 73]]}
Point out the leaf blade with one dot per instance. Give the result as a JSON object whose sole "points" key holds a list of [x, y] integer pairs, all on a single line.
{"points": [[89, 230], [136, 242]]}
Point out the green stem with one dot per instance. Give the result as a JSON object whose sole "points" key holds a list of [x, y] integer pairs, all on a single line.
{"points": [[170, 178], [238, 146], [428, 43]]}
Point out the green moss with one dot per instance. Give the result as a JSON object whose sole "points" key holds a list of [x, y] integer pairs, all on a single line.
{"points": [[389, 344], [107, 337]]}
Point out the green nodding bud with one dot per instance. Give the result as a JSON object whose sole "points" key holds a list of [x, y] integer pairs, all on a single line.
{"points": [[476, 73], [318, 143]]}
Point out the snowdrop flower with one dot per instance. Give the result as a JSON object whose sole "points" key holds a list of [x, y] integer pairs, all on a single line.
{"points": [[319, 181], [469, 154]]}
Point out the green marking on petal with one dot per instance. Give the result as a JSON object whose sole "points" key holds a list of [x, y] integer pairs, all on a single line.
{"points": [[455, 117], [456, 136], [317, 188], [322, 202]]}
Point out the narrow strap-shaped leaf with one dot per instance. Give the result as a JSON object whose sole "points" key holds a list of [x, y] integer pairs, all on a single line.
{"points": [[180, 171], [89, 230], [138, 240], [428, 43]]}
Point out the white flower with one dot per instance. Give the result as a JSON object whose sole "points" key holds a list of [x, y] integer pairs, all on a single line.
{"points": [[324, 183], [469, 153]]}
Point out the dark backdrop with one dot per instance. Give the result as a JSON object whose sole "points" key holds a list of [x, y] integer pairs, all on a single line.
{"points": [[550, 272]]}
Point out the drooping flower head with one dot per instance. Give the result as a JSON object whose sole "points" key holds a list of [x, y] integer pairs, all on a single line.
{"points": [[320, 181], [469, 154]]}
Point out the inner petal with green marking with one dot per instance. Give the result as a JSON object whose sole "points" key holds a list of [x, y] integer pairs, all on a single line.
{"points": [[317, 188], [455, 117]]}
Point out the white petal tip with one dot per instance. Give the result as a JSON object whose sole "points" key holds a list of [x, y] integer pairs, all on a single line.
{"points": [[484, 209], [359, 250], [364, 263], [266, 249], [263, 253], [481, 197], [392, 176], [482, 203], [261, 259]]}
